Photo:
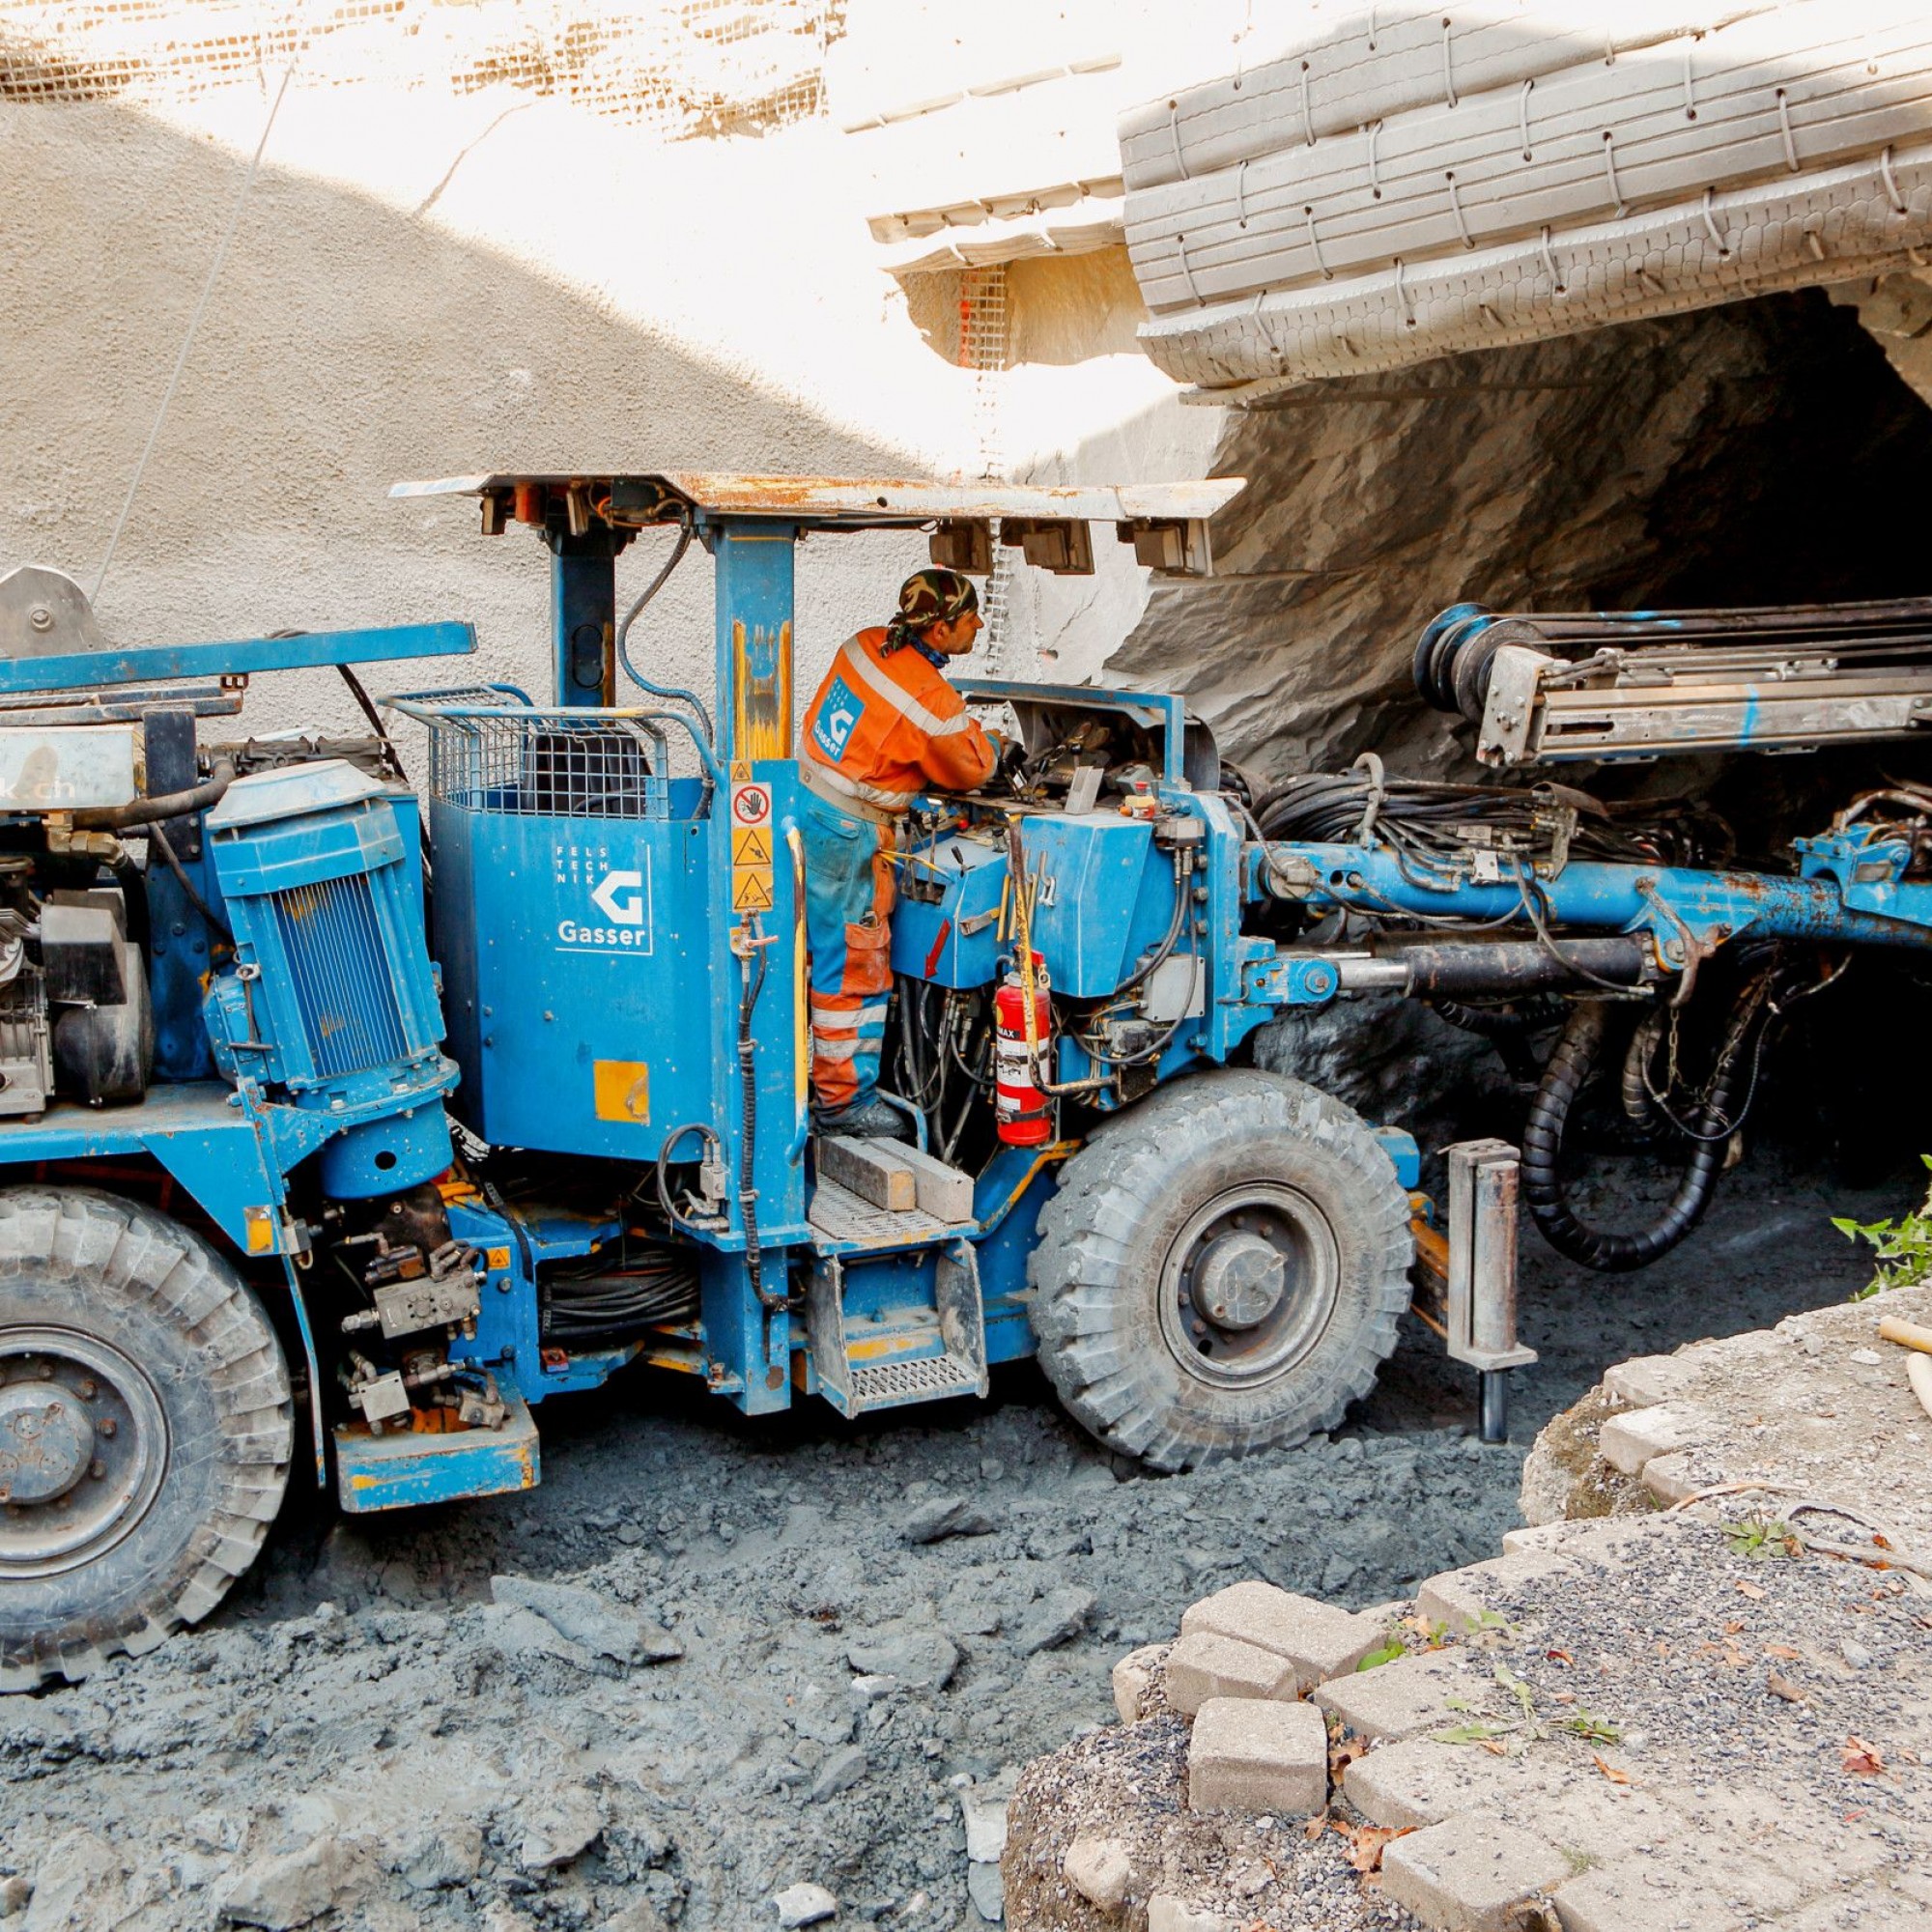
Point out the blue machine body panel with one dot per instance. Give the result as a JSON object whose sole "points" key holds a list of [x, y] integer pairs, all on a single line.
{"points": [[576, 976], [402, 1468], [945, 923], [1096, 902], [87, 671]]}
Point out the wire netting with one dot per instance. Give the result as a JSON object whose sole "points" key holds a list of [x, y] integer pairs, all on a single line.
{"points": [[683, 67]]}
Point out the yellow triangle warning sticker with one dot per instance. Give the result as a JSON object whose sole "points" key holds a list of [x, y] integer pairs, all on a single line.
{"points": [[751, 845], [741, 772], [752, 890]]}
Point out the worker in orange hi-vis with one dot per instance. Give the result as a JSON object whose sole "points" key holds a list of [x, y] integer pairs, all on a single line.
{"points": [[884, 727]]}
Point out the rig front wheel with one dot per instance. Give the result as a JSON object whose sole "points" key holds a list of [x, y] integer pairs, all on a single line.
{"points": [[1221, 1270], [145, 1430]]}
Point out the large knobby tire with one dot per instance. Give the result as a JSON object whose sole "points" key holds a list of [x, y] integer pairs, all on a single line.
{"points": [[145, 1429], [1221, 1270]]}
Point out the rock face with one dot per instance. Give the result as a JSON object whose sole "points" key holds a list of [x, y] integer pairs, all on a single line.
{"points": [[1761, 452]]}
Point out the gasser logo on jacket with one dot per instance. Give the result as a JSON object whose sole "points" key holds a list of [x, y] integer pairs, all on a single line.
{"points": [[837, 719]]}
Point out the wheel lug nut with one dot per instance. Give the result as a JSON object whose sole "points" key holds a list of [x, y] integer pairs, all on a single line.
{"points": [[97, 1468], [87, 1390], [109, 1425]]}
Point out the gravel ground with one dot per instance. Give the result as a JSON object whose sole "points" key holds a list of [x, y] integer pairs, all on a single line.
{"points": [[367, 1730]]}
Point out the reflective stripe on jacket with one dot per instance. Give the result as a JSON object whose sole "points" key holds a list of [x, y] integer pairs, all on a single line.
{"points": [[884, 728]]}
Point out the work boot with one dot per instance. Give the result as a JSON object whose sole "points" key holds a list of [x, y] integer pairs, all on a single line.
{"points": [[873, 1119]]}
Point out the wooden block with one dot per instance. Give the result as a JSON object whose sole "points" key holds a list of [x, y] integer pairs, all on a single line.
{"points": [[875, 1171], [943, 1192]]}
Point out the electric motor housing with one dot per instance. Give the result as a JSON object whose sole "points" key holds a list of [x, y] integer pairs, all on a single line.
{"points": [[333, 998]]}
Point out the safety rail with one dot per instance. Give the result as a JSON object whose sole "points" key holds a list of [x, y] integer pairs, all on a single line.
{"points": [[529, 761]]}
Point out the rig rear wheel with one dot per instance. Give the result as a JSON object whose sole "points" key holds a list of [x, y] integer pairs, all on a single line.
{"points": [[1221, 1270], [145, 1430]]}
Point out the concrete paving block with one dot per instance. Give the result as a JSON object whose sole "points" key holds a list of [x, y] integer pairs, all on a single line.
{"points": [[1253, 1754], [1686, 1885], [1205, 1665], [1321, 1639], [1643, 1382], [1459, 1598], [1670, 1478], [1132, 1678], [1469, 1873], [1421, 1781], [1626, 1441], [1401, 1698]]}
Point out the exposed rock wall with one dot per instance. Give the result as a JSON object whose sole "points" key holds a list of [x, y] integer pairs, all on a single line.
{"points": [[1762, 452]]}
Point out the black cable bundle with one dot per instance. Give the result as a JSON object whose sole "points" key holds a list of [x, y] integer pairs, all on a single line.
{"points": [[599, 1301]]}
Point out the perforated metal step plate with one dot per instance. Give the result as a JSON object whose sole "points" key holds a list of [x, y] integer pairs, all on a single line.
{"points": [[841, 1215]]}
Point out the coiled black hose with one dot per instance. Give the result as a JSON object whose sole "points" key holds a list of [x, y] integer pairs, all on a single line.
{"points": [[1569, 1068]]}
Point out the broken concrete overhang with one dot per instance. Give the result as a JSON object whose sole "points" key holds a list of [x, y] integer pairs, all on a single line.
{"points": [[1400, 189]]}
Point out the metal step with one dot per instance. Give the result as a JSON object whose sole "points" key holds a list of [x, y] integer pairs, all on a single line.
{"points": [[885, 1365]]}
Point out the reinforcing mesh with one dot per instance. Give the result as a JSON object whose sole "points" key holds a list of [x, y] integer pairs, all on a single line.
{"points": [[682, 66]]}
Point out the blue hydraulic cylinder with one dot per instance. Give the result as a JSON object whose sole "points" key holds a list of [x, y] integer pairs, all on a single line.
{"points": [[584, 614], [1688, 912]]}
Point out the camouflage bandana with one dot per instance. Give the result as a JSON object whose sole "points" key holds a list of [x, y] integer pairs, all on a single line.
{"points": [[930, 597]]}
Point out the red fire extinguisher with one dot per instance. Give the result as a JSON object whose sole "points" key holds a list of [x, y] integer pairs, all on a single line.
{"points": [[1023, 1115]]}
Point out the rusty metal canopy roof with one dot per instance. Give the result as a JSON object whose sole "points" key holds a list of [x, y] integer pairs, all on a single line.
{"points": [[860, 503]]}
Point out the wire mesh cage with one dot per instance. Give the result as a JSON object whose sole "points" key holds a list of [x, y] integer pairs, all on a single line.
{"points": [[558, 764]]}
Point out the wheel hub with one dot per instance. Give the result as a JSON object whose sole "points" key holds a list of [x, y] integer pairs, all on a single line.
{"points": [[47, 1441], [1239, 1280], [1249, 1284], [83, 1448]]}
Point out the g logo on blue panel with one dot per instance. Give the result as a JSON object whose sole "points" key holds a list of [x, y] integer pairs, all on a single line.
{"points": [[837, 719]]}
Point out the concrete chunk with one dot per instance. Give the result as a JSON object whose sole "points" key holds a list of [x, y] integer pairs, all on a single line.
{"points": [[1320, 1640], [1099, 1870], [1131, 1677], [1204, 1664], [1628, 1441], [1168, 1913], [1398, 1699], [1470, 1873], [1255, 1754], [872, 1170]]}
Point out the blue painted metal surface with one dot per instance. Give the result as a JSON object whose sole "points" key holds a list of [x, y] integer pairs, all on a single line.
{"points": [[1687, 912], [403, 1468], [584, 614], [946, 924], [86, 670], [332, 998]]}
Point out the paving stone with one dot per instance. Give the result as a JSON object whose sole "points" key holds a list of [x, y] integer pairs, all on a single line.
{"points": [[1253, 1754], [1686, 1885], [1320, 1640], [1469, 1873], [1421, 1781], [1401, 1698], [1458, 1598], [1645, 1380], [1671, 1478], [1205, 1665], [1628, 1441], [1131, 1677]]}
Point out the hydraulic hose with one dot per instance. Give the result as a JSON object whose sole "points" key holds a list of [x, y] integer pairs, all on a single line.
{"points": [[153, 811], [673, 692], [748, 1146], [1569, 1066]]}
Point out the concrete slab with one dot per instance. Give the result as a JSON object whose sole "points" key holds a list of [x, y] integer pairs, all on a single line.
{"points": [[1472, 1873], [1253, 1754], [1205, 1664]]}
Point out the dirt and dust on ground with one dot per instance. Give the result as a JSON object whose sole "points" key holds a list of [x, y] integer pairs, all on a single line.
{"points": [[772, 1655]]}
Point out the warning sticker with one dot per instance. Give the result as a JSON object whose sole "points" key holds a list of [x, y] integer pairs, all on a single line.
{"points": [[752, 890], [751, 845], [751, 805]]}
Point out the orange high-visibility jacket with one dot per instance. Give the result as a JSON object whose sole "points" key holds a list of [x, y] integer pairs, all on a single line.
{"points": [[883, 729]]}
